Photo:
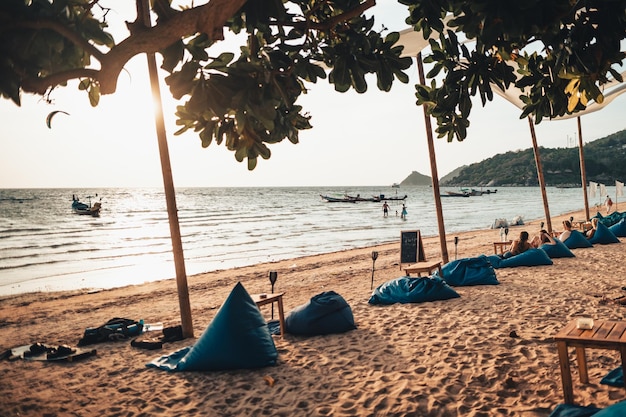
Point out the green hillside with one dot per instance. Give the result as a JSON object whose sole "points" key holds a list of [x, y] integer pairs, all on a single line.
{"points": [[604, 163]]}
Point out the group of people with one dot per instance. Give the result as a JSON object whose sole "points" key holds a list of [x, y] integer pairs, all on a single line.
{"points": [[523, 243], [386, 210]]}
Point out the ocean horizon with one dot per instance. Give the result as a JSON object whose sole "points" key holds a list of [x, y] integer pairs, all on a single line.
{"points": [[46, 247]]}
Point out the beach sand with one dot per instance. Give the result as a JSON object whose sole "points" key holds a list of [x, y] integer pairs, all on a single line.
{"points": [[456, 357]]}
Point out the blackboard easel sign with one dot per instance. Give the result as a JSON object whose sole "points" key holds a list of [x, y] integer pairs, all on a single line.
{"points": [[411, 248]]}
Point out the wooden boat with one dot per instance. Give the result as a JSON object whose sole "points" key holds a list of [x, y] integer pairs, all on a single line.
{"points": [[383, 197], [456, 194], [337, 199], [81, 208]]}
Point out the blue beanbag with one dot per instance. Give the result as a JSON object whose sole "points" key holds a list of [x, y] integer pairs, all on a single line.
{"points": [[615, 410], [412, 290], [571, 410], [558, 250], [603, 236], [325, 313], [615, 378], [577, 240], [469, 271], [619, 228], [532, 257], [236, 338]]}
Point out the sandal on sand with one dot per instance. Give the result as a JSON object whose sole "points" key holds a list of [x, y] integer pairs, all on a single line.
{"points": [[60, 351]]}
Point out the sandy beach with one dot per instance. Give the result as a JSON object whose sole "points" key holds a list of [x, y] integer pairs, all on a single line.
{"points": [[457, 357]]}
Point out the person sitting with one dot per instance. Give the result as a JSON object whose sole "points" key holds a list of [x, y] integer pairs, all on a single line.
{"points": [[594, 226], [518, 246], [567, 230], [542, 238]]}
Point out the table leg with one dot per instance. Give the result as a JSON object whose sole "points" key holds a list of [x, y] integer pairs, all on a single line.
{"points": [[622, 352], [281, 317], [582, 365], [566, 375]]}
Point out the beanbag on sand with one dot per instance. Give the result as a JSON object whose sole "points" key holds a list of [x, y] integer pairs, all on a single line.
{"points": [[615, 410], [577, 240], [412, 290], [603, 236], [325, 313], [558, 250], [236, 338], [532, 257], [572, 410], [468, 271], [619, 228]]}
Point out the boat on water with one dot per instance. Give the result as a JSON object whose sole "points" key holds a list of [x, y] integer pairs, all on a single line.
{"points": [[85, 209], [455, 194], [377, 198], [475, 192], [330, 199]]}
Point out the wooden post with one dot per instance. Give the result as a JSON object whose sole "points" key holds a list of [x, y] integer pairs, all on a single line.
{"points": [[542, 183], [583, 171], [433, 169], [143, 12]]}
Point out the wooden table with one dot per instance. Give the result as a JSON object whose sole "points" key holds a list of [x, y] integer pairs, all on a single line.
{"points": [[501, 247], [605, 334], [424, 266], [262, 299]]}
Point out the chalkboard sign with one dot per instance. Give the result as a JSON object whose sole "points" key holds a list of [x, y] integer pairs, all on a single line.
{"points": [[411, 249]]}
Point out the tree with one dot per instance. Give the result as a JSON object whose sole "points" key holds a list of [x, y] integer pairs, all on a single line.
{"points": [[247, 101], [561, 52]]}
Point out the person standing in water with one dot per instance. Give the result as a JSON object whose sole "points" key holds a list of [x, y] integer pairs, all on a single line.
{"points": [[385, 209], [404, 213]]}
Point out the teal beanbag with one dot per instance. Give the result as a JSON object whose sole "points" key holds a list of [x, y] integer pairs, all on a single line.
{"points": [[619, 228], [325, 313], [532, 257], [469, 271], [615, 410], [603, 236], [558, 250], [577, 240], [571, 410], [236, 338], [412, 290]]}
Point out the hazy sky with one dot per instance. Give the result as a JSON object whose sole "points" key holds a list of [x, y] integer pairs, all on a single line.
{"points": [[374, 138]]}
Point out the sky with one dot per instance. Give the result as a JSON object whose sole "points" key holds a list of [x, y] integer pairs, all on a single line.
{"points": [[375, 138]]}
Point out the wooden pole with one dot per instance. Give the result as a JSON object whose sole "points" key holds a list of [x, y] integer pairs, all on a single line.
{"points": [[143, 11], [433, 169], [542, 183], [583, 171]]}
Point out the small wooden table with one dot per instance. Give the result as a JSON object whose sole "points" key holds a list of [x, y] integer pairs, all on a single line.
{"points": [[501, 247], [262, 299], [424, 266], [605, 334]]}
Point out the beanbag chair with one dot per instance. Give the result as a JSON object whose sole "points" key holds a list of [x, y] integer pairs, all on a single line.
{"points": [[325, 313], [468, 271], [558, 250], [532, 257], [615, 410], [603, 236], [615, 378], [236, 338], [412, 290], [577, 240], [571, 410], [619, 228]]}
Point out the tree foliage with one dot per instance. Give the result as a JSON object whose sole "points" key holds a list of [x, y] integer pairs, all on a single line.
{"points": [[560, 52], [246, 101]]}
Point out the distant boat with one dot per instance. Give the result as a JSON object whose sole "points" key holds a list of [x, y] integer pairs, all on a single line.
{"points": [[337, 199], [81, 208], [455, 194], [395, 185]]}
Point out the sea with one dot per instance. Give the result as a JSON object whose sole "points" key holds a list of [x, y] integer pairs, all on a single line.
{"points": [[44, 246]]}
